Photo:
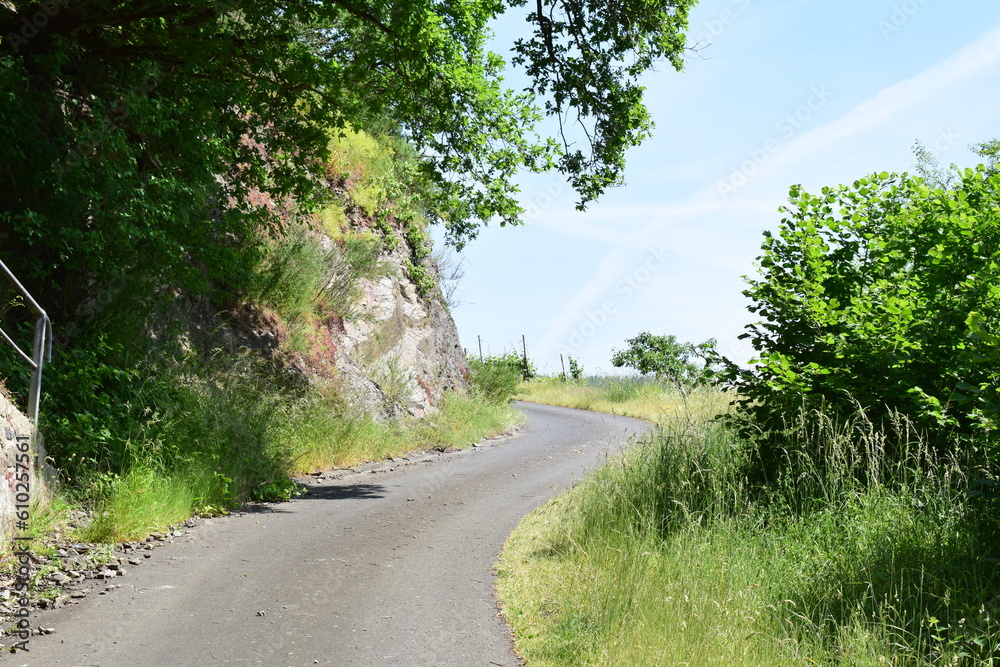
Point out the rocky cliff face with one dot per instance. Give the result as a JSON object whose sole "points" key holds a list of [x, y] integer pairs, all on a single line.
{"points": [[393, 352], [401, 350]]}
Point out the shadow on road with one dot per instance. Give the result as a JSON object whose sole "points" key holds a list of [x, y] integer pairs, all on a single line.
{"points": [[345, 492]]}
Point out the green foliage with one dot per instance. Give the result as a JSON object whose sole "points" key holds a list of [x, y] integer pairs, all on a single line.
{"points": [[586, 58], [882, 294], [575, 369], [669, 360], [671, 553], [168, 140], [422, 277], [418, 265], [495, 379], [302, 278]]}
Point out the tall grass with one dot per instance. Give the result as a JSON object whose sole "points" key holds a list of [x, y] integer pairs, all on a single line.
{"points": [[250, 450], [674, 554], [323, 438]]}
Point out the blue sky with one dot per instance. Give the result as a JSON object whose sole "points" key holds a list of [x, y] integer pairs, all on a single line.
{"points": [[810, 92]]}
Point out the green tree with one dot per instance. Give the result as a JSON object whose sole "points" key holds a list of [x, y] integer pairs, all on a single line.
{"points": [[882, 295], [685, 365], [170, 138]]}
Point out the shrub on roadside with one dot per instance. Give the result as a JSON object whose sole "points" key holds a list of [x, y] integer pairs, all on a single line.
{"points": [[496, 379]]}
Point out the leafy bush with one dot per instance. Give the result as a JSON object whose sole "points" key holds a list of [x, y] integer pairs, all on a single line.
{"points": [[495, 379], [575, 369], [881, 295]]}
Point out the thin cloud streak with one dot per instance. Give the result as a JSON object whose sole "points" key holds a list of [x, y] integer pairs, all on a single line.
{"points": [[965, 63]]}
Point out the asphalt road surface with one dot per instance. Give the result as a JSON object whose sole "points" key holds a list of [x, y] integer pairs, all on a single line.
{"points": [[389, 566]]}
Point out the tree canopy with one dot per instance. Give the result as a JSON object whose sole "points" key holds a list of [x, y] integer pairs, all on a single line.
{"points": [[173, 136]]}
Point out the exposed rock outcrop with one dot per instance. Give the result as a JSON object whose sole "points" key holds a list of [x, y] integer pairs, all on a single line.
{"points": [[15, 438], [401, 351]]}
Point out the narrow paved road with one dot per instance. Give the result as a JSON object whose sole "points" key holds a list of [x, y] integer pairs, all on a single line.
{"points": [[392, 567]]}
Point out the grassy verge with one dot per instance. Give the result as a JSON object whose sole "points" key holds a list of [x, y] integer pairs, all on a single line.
{"points": [[628, 396], [670, 554], [301, 438], [328, 440]]}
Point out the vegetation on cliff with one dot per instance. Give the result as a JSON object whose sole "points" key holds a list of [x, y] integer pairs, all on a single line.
{"points": [[195, 190]]}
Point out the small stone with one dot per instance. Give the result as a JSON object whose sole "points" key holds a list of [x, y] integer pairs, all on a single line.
{"points": [[133, 561], [147, 555], [76, 595], [59, 578], [262, 613]]}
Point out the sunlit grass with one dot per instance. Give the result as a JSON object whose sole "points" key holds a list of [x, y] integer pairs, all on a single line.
{"points": [[629, 396], [669, 555], [328, 439]]}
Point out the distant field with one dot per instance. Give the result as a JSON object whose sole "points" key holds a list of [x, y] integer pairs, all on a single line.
{"points": [[632, 396]]}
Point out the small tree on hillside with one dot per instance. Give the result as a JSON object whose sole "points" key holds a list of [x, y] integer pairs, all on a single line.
{"points": [[684, 365]]}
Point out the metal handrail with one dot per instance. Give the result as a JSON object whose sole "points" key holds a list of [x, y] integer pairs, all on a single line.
{"points": [[40, 353]]}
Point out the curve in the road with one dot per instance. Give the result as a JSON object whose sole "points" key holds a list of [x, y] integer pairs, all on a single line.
{"points": [[391, 567]]}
